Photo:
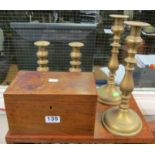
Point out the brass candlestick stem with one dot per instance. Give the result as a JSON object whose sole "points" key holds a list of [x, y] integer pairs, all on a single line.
{"points": [[122, 120], [75, 56], [42, 55], [110, 93]]}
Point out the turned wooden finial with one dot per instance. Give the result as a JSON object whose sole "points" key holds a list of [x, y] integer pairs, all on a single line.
{"points": [[75, 56], [42, 55]]}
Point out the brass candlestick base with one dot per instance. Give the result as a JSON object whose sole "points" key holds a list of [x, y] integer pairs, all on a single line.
{"points": [[42, 55], [75, 56], [122, 120], [110, 94]]}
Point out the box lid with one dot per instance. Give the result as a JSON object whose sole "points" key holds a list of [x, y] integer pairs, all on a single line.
{"points": [[63, 83]]}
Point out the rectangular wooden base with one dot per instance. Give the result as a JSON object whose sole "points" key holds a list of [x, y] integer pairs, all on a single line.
{"points": [[101, 135]]}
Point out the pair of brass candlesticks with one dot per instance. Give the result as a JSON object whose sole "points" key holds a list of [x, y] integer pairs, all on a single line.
{"points": [[42, 55], [121, 120]]}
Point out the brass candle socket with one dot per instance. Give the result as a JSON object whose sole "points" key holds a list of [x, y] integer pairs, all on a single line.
{"points": [[42, 55], [75, 56], [122, 120], [110, 94]]}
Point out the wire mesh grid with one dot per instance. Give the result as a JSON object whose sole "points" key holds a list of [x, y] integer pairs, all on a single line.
{"points": [[20, 29]]}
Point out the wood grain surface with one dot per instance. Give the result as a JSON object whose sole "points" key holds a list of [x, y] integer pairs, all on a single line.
{"points": [[101, 135], [31, 97]]}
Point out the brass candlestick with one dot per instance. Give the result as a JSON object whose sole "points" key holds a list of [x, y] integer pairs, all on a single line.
{"points": [[75, 56], [122, 120], [42, 55], [110, 94]]}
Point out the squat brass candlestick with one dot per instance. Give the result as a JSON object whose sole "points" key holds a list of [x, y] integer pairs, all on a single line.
{"points": [[42, 55], [75, 55], [122, 120], [110, 93]]}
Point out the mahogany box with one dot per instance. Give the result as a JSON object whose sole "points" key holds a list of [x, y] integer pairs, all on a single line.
{"points": [[51, 103]]}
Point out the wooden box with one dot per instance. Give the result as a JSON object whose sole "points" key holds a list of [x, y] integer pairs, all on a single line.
{"points": [[51, 103], [101, 135]]}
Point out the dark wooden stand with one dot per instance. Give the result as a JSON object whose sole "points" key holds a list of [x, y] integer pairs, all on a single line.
{"points": [[101, 135]]}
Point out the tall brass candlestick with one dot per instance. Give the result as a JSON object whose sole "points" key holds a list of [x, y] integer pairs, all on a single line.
{"points": [[75, 55], [42, 55], [110, 93], [122, 120]]}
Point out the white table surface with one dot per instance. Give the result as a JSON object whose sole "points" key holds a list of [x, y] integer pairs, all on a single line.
{"points": [[3, 128]]}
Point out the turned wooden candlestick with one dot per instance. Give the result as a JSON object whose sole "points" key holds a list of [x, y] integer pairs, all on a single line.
{"points": [[75, 56], [42, 55], [110, 94], [122, 120]]}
